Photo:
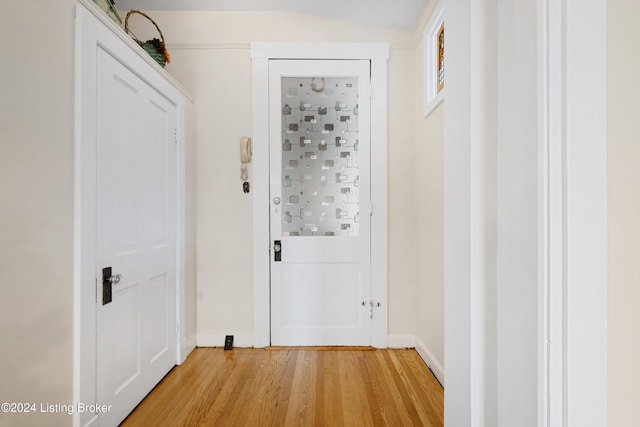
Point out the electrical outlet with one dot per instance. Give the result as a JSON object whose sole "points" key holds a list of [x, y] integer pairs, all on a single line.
{"points": [[228, 342]]}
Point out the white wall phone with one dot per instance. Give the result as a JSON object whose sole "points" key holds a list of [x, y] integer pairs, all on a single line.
{"points": [[245, 157], [245, 149]]}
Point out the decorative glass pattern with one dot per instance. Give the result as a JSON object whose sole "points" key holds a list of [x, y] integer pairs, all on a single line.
{"points": [[441, 58], [320, 173]]}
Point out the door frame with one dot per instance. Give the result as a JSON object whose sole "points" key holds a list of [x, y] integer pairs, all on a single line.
{"points": [[378, 55], [572, 162], [571, 176], [94, 29]]}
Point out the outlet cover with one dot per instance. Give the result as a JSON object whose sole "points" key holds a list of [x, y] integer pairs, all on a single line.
{"points": [[228, 342]]}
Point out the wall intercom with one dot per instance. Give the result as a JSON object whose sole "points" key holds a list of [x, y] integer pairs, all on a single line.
{"points": [[245, 157]]}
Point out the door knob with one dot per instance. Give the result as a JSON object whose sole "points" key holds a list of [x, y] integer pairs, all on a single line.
{"points": [[115, 279]]}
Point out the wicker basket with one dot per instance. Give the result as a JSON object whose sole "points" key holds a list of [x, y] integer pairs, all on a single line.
{"points": [[154, 47]]}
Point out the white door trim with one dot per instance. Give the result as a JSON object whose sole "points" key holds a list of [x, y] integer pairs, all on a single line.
{"points": [[261, 53], [570, 332], [573, 207], [93, 28]]}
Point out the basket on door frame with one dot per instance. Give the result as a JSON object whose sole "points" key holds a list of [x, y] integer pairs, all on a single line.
{"points": [[154, 47]]}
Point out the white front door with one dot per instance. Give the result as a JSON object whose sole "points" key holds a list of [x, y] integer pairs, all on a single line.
{"points": [[320, 150], [136, 238]]}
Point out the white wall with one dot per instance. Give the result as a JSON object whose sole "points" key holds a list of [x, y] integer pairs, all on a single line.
{"points": [[623, 60], [36, 207], [428, 235], [211, 57]]}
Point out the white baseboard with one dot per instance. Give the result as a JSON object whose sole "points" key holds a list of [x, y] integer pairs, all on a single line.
{"points": [[431, 361], [401, 341], [186, 348], [216, 339]]}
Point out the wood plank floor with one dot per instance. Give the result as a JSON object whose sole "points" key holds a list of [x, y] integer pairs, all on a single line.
{"points": [[299, 386]]}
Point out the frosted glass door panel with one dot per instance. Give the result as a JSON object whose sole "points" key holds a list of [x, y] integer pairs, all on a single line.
{"points": [[320, 144]]}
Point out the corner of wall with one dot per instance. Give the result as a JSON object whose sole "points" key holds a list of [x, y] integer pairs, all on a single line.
{"points": [[426, 16], [401, 341], [412, 341], [431, 360]]}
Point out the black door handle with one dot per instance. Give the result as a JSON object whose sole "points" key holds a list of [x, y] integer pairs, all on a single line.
{"points": [[107, 283], [277, 250]]}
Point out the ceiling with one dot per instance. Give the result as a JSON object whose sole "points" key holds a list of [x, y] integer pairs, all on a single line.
{"points": [[399, 14]]}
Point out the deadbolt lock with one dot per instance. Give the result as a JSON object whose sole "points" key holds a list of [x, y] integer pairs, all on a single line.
{"points": [[277, 250], [108, 280]]}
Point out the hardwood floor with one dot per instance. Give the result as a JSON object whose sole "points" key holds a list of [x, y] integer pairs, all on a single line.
{"points": [[300, 386]]}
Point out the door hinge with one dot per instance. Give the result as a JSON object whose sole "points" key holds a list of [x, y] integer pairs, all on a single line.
{"points": [[177, 330], [370, 91], [175, 136]]}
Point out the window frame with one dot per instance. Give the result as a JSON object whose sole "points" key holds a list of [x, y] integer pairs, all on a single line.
{"points": [[432, 97]]}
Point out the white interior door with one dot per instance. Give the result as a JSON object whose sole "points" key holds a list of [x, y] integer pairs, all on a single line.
{"points": [[320, 202], [136, 237]]}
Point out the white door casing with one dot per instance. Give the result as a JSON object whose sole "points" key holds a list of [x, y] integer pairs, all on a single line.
{"points": [[569, 91], [136, 237], [261, 54], [320, 202]]}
